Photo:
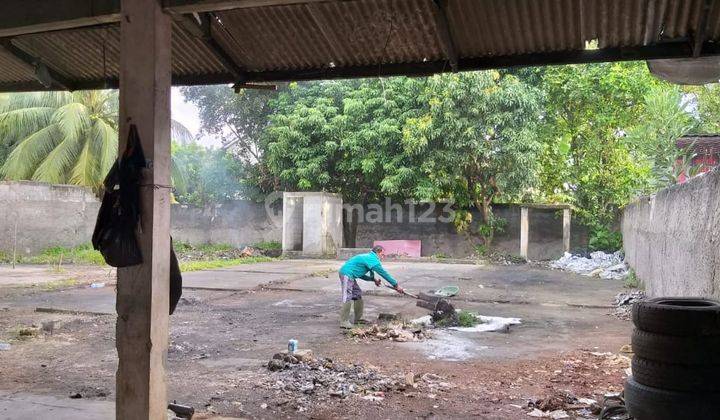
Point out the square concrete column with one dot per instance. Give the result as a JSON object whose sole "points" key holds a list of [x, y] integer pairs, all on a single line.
{"points": [[524, 231], [566, 230], [143, 290]]}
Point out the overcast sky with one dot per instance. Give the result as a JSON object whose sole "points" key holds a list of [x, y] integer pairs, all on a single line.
{"points": [[187, 114]]}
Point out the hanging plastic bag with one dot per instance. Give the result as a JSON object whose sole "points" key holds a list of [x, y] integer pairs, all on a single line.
{"points": [[117, 221]]}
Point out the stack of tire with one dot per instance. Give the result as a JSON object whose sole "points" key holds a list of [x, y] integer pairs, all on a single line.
{"points": [[676, 362]]}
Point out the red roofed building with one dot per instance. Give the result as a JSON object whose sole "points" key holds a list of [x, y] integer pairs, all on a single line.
{"points": [[706, 148]]}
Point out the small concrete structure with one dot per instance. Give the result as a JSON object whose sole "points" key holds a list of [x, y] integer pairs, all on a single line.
{"points": [[525, 225], [312, 224]]}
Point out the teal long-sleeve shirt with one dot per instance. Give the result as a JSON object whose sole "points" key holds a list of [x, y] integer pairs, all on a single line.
{"points": [[360, 265]]}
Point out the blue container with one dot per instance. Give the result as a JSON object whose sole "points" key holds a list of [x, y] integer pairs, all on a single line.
{"points": [[292, 346]]}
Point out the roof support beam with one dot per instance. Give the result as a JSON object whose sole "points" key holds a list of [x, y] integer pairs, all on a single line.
{"points": [[47, 77], [18, 17], [200, 25], [698, 37], [197, 6], [652, 52], [441, 21]]}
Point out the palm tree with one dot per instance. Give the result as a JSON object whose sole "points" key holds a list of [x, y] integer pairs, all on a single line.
{"points": [[63, 137]]}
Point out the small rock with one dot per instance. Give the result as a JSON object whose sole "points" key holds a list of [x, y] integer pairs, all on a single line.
{"points": [[263, 406], [275, 365]]}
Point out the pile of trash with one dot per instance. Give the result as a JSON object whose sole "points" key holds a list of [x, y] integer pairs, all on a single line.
{"points": [[399, 332], [596, 264], [302, 380], [623, 303], [563, 406]]}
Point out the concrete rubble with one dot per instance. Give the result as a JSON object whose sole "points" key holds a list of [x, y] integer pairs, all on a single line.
{"points": [[399, 332], [598, 264], [302, 381], [624, 301], [563, 406]]}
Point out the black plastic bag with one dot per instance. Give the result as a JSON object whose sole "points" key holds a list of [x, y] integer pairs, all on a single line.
{"points": [[175, 280], [117, 221]]}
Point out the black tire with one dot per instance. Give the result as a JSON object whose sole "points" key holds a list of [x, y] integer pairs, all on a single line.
{"points": [[700, 350], [648, 403], [683, 317], [676, 377]]}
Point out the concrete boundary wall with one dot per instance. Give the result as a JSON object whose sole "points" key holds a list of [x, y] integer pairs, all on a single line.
{"points": [[672, 239], [64, 215], [46, 215]]}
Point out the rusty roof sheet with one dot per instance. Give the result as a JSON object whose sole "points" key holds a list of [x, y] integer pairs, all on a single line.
{"points": [[368, 37]]}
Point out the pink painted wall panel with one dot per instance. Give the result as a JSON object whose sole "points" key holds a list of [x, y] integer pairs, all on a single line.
{"points": [[401, 247]]}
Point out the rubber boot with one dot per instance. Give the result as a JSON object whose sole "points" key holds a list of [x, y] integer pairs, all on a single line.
{"points": [[358, 306], [345, 315]]}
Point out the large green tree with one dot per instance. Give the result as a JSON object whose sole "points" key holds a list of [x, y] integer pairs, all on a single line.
{"points": [[343, 137], [475, 142], [238, 120], [586, 159]]}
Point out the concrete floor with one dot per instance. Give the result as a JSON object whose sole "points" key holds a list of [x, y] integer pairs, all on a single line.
{"points": [[233, 319]]}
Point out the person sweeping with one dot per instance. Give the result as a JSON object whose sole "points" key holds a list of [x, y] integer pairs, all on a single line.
{"points": [[363, 267]]}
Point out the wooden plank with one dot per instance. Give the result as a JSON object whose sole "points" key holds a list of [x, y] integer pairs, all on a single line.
{"points": [[524, 231], [143, 290], [566, 230]]}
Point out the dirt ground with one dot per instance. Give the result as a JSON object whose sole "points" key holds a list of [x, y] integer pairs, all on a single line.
{"points": [[224, 333]]}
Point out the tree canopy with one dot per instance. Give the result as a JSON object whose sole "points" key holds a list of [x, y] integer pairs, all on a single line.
{"points": [[592, 135]]}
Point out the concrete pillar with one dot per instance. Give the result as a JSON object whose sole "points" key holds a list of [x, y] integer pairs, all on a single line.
{"points": [[566, 230], [142, 291], [524, 231]]}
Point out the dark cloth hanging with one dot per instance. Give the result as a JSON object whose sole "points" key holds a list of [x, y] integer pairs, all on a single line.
{"points": [[119, 215], [175, 280], [117, 221]]}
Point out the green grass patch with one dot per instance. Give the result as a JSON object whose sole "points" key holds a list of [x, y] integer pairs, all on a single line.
{"points": [[184, 248], [59, 284], [631, 281], [186, 266], [467, 319], [268, 246], [83, 254]]}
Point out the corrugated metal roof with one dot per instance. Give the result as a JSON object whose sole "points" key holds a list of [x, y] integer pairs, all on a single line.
{"points": [[349, 38], [701, 143]]}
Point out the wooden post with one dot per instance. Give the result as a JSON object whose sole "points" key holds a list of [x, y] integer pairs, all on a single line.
{"points": [[142, 290], [566, 230], [524, 231]]}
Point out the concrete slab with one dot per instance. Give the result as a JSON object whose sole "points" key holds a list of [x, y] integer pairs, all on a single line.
{"points": [[100, 301], [249, 276], [484, 283], [23, 406], [477, 283], [38, 275]]}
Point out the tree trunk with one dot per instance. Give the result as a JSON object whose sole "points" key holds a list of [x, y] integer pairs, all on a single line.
{"points": [[350, 229]]}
